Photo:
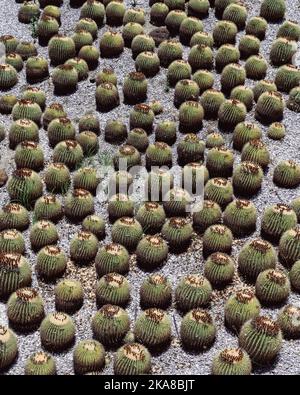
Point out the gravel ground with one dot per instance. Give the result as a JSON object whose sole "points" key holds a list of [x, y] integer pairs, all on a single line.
{"points": [[174, 360]]}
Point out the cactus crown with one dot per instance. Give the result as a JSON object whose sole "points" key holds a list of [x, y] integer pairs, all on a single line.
{"points": [[48, 199], [113, 249], [232, 355], [23, 173], [39, 358], [137, 76], [155, 315], [4, 334], [291, 310], [114, 279], [107, 85], [194, 281], [292, 163], [155, 241], [90, 346], [161, 145], [261, 245], [5, 67], [208, 204], [282, 209], [193, 104], [144, 108], [127, 150], [58, 165], [24, 122], [219, 258], [10, 260], [150, 206], [29, 144], [80, 193], [276, 277], [241, 203], [250, 168], [257, 143], [127, 221], [218, 229], [244, 296], [266, 325], [201, 316], [110, 311], [220, 182], [134, 352], [157, 279], [178, 223], [56, 107], [83, 235], [12, 208], [26, 294], [59, 318], [295, 233], [9, 234], [52, 250], [43, 224]]}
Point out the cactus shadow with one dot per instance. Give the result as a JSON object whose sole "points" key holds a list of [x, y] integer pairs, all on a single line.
{"points": [[259, 369], [64, 91], [76, 3]]}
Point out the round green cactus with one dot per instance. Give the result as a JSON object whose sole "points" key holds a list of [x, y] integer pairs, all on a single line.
{"points": [[83, 247], [57, 178], [153, 328], [273, 11], [261, 338], [231, 362], [25, 309], [219, 190], [241, 307], [197, 330], [247, 178], [57, 331], [88, 356], [110, 325], [217, 238], [244, 132], [14, 216], [256, 256], [8, 347], [112, 258], [25, 186], [79, 204], [40, 364], [151, 252], [178, 233], [42, 233], [240, 216], [289, 321], [272, 287], [15, 273], [112, 288], [219, 269], [192, 291], [289, 246], [69, 295], [60, 49], [155, 291], [287, 174], [132, 358], [206, 214], [277, 219]]}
